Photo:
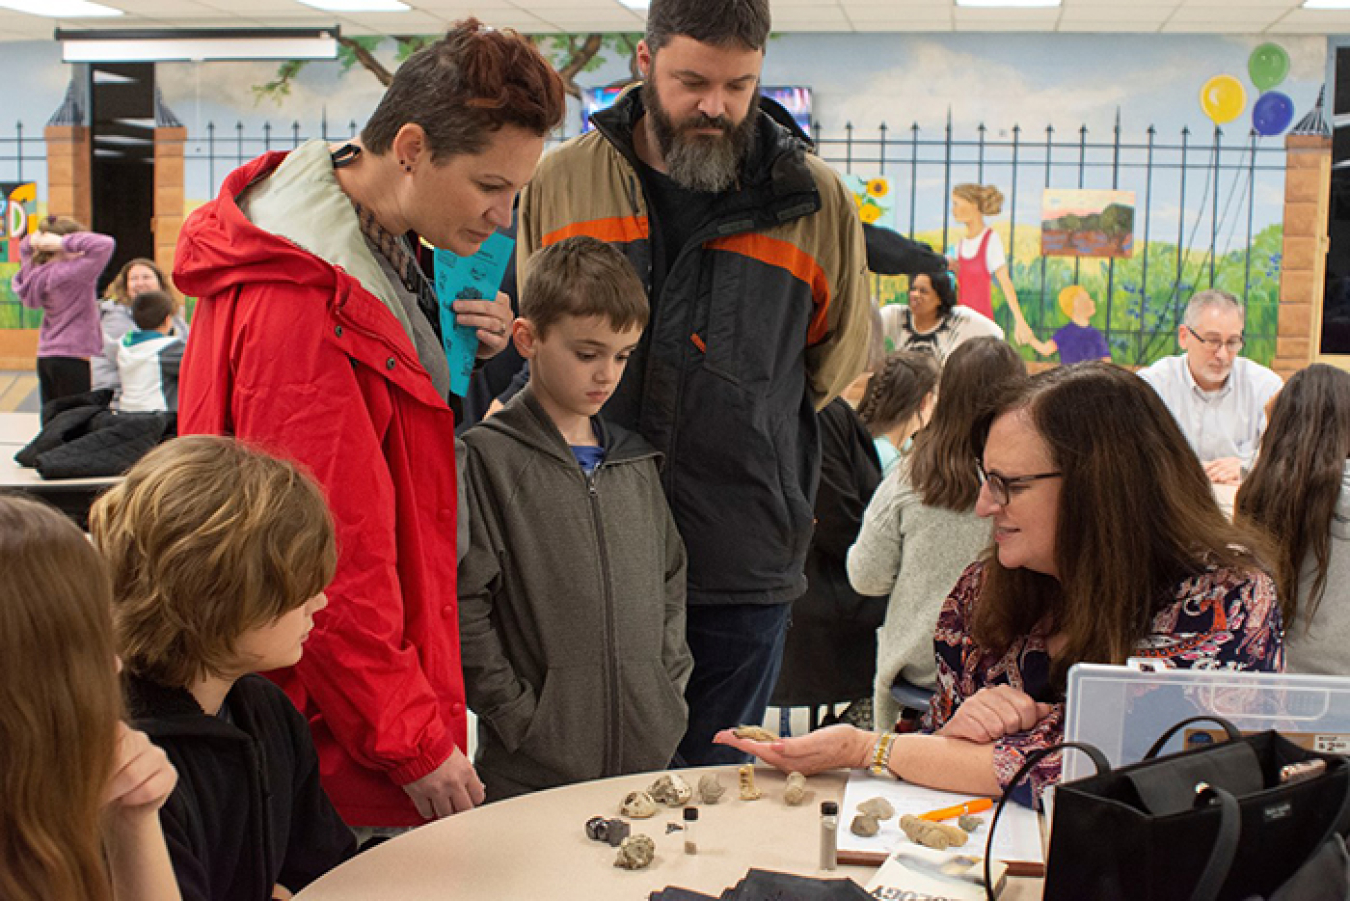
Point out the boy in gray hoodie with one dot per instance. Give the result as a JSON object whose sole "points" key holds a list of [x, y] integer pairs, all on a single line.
{"points": [[571, 596]]}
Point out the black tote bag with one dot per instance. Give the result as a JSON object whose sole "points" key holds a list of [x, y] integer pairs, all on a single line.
{"points": [[1209, 824]]}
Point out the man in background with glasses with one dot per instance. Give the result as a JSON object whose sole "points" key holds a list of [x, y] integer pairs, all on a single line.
{"points": [[1217, 396]]}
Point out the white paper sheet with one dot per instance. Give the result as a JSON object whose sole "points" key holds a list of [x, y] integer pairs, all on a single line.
{"points": [[1019, 829]]}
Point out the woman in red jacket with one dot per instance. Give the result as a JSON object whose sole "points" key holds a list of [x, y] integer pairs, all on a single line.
{"points": [[315, 337]]}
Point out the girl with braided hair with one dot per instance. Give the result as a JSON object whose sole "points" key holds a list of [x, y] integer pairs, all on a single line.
{"points": [[898, 401]]}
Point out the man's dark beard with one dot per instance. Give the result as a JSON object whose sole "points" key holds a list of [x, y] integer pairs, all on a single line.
{"points": [[700, 162]]}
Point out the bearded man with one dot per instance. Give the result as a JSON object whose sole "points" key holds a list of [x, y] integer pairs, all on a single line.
{"points": [[753, 258]]}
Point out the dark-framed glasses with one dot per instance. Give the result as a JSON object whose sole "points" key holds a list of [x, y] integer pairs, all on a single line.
{"points": [[1001, 488], [1234, 344]]}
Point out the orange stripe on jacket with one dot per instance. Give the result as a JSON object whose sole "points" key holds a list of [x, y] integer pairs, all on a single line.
{"points": [[785, 255], [617, 228]]}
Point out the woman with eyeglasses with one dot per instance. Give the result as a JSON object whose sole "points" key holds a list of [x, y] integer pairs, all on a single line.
{"points": [[1108, 545]]}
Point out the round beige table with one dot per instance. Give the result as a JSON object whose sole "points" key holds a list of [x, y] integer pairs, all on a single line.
{"points": [[536, 847]]}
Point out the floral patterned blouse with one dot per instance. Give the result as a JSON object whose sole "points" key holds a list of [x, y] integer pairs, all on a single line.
{"points": [[1221, 619]]}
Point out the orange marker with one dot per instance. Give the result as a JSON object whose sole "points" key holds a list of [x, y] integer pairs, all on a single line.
{"points": [[947, 813]]}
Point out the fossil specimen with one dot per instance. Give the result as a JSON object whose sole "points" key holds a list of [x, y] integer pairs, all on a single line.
{"points": [[795, 792], [638, 805], [754, 733], [939, 836], [864, 825], [603, 830], [877, 807], [969, 822], [710, 788], [748, 790], [636, 852], [671, 789]]}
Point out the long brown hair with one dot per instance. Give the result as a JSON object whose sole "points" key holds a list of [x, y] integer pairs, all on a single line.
{"points": [[59, 706], [1293, 488], [1136, 516], [896, 392], [56, 225], [942, 463]]}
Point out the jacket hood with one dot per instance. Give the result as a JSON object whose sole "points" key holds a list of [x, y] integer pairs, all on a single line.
{"points": [[524, 419], [1340, 520], [164, 712], [280, 218]]}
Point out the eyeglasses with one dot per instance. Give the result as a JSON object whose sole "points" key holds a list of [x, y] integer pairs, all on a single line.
{"points": [[1001, 488], [1212, 345]]}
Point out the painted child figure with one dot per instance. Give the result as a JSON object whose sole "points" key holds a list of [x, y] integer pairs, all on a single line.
{"points": [[219, 556], [572, 594], [1078, 340]]}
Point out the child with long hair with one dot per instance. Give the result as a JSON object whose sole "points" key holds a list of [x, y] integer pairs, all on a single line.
{"points": [[58, 274], [980, 259], [1299, 492], [898, 401], [219, 556], [80, 792]]}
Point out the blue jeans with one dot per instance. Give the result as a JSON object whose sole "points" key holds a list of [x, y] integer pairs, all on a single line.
{"points": [[738, 650]]}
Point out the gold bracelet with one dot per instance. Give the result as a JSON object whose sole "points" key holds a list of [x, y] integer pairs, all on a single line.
{"points": [[881, 754]]}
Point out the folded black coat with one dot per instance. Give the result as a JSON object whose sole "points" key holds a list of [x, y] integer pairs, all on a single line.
{"points": [[83, 438]]}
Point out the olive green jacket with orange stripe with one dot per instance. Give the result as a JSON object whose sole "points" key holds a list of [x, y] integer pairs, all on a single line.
{"points": [[763, 317]]}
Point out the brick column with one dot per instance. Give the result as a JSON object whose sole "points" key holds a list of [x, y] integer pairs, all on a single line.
{"points": [[168, 219], [1307, 192], [68, 172]]}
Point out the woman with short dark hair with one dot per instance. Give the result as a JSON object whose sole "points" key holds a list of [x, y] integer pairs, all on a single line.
{"points": [[1108, 544], [317, 336], [932, 320]]}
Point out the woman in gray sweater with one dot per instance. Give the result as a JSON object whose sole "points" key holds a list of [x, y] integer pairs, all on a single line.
{"points": [[920, 530], [1299, 492]]}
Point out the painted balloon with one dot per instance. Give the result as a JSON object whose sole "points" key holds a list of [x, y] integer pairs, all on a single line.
{"points": [[1268, 66], [1272, 113], [1223, 98]]}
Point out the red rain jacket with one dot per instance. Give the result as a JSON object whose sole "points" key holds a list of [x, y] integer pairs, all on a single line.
{"points": [[293, 355]]}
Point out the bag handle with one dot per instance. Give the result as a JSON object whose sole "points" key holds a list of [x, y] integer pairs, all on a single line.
{"points": [[1233, 733], [1225, 844], [1098, 760]]}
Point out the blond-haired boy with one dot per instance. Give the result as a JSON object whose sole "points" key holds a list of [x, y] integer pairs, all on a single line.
{"points": [[219, 556]]}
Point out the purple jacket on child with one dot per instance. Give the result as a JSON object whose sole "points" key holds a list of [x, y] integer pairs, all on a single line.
{"points": [[66, 292]]}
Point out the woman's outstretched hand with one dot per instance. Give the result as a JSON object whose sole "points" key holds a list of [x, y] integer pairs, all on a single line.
{"points": [[825, 749]]}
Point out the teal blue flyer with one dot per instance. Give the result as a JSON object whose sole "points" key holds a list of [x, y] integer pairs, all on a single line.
{"points": [[468, 278]]}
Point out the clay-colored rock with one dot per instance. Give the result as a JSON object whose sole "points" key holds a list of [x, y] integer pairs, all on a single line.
{"points": [[864, 825], [795, 791], [877, 807], [636, 852], [969, 822], [747, 779], [710, 788], [638, 805], [671, 790], [754, 733], [939, 836]]}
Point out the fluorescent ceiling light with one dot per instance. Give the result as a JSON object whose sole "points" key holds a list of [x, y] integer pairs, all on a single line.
{"points": [[359, 6], [1007, 4], [191, 45], [61, 9], [640, 5], [1326, 4]]}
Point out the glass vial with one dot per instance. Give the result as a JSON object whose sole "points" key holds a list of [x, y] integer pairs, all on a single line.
{"points": [[829, 834], [690, 830]]}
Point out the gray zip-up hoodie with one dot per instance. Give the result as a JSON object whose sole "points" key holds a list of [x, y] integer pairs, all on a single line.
{"points": [[571, 606], [1323, 645]]}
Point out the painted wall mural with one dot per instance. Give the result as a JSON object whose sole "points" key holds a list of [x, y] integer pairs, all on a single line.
{"points": [[919, 114]]}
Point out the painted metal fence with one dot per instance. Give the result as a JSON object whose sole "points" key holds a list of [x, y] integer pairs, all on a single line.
{"points": [[1195, 220]]}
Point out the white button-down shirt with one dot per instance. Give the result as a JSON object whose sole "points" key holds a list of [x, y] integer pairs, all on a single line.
{"points": [[1223, 423]]}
